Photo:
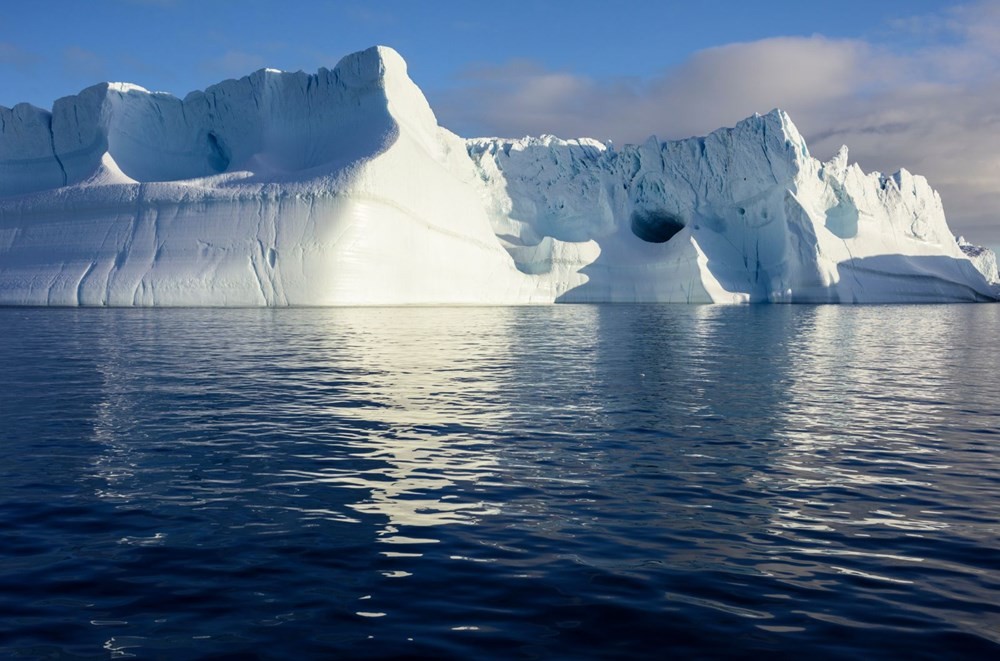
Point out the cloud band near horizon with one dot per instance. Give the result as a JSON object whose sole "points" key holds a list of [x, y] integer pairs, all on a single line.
{"points": [[934, 109]]}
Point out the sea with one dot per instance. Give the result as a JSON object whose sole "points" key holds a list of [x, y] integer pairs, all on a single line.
{"points": [[551, 482]]}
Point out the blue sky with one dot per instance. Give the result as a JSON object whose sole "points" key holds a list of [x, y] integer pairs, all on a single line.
{"points": [[911, 84], [53, 48]]}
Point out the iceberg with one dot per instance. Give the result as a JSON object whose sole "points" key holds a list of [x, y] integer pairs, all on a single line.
{"points": [[340, 188]]}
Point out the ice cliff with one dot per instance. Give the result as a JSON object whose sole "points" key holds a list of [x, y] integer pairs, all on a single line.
{"points": [[983, 258], [340, 188]]}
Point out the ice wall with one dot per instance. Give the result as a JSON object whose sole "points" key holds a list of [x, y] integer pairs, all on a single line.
{"points": [[983, 259], [741, 215]]}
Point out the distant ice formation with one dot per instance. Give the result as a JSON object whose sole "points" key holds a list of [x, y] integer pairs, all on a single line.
{"points": [[340, 188], [984, 259]]}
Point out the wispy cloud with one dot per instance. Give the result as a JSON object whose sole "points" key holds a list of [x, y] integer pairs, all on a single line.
{"points": [[932, 106], [14, 56]]}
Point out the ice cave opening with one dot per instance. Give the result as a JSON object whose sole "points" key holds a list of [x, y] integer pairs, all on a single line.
{"points": [[656, 226]]}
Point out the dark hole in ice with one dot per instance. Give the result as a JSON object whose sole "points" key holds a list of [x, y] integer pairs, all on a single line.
{"points": [[218, 155], [656, 226]]}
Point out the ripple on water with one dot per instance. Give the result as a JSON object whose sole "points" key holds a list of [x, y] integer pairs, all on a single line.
{"points": [[569, 481]]}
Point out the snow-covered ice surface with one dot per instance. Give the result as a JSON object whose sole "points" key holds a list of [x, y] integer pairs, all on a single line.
{"points": [[984, 259], [340, 188]]}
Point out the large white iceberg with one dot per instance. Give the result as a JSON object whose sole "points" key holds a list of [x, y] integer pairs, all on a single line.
{"points": [[340, 188]]}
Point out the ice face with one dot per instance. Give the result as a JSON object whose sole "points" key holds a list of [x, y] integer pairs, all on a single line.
{"points": [[339, 187], [983, 259], [743, 214]]}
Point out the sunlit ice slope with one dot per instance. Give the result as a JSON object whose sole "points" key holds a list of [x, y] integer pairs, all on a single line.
{"points": [[275, 189]]}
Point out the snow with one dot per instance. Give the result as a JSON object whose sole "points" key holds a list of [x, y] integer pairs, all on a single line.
{"points": [[340, 187], [982, 258]]}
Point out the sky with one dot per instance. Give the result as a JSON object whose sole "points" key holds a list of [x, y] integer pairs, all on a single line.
{"points": [[912, 84]]}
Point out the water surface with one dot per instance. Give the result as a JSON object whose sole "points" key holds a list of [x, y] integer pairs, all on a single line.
{"points": [[539, 482]]}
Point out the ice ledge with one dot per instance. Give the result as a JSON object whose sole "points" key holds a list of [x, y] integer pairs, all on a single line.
{"points": [[371, 65], [270, 124]]}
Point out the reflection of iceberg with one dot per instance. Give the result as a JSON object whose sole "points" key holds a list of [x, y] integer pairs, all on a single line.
{"points": [[401, 423], [858, 441], [415, 473], [115, 430], [876, 412], [432, 405]]}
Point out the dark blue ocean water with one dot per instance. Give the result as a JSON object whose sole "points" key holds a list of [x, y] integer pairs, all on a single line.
{"points": [[549, 482]]}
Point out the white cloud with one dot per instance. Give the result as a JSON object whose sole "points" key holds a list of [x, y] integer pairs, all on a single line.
{"points": [[714, 87], [933, 108]]}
